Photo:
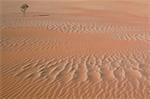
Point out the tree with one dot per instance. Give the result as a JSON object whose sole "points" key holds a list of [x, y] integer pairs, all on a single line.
{"points": [[24, 7]]}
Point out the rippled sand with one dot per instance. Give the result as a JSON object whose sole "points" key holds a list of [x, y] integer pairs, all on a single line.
{"points": [[80, 49]]}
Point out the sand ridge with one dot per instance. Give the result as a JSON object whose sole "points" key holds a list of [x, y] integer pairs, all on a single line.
{"points": [[82, 74]]}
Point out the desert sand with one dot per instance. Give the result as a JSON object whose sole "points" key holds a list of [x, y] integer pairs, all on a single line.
{"points": [[75, 49]]}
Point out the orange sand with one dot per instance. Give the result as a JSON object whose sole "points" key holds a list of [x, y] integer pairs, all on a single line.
{"points": [[75, 49]]}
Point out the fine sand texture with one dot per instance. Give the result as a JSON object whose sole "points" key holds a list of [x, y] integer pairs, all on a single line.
{"points": [[75, 49]]}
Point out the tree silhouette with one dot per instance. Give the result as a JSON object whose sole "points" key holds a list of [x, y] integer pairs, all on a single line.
{"points": [[24, 7]]}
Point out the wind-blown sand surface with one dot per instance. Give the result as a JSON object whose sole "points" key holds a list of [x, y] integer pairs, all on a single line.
{"points": [[75, 49]]}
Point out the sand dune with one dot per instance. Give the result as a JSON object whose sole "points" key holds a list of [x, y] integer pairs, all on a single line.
{"points": [[88, 65], [78, 49], [105, 76]]}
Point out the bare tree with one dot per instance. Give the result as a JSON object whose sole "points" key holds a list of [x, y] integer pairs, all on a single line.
{"points": [[24, 7]]}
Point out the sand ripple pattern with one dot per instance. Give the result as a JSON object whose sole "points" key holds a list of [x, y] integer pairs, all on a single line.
{"points": [[59, 67], [28, 43], [120, 31], [74, 26], [95, 77]]}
